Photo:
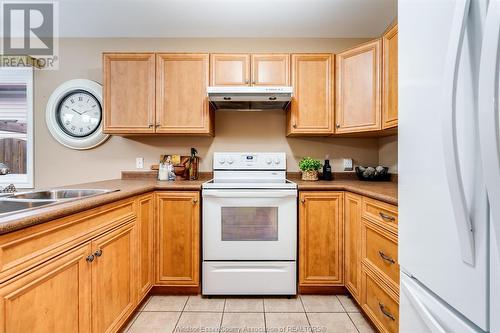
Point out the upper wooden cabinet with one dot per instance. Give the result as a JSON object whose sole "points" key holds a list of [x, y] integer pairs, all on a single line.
{"points": [[390, 82], [229, 69], [129, 93], [178, 239], [181, 94], [358, 89], [270, 69], [311, 112], [321, 231]]}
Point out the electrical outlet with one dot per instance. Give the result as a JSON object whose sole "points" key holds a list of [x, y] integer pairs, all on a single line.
{"points": [[348, 164], [139, 163]]}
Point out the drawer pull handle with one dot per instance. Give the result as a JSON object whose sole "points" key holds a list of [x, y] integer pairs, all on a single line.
{"points": [[385, 312], [386, 257], [98, 253], [387, 217], [90, 258]]}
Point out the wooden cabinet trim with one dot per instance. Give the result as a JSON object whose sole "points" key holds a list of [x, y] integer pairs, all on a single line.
{"points": [[375, 46], [145, 254], [352, 241], [107, 93], [390, 88]]}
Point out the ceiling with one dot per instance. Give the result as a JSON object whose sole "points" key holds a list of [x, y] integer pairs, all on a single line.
{"points": [[225, 18]]}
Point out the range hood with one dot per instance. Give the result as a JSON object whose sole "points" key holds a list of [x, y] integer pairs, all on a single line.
{"points": [[249, 98]]}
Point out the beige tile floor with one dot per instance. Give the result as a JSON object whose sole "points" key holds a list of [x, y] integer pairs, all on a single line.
{"points": [[196, 314]]}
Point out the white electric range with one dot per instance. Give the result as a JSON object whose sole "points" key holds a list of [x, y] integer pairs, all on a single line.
{"points": [[249, 226]]}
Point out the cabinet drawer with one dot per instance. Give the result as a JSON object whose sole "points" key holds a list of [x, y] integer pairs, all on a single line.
{"points": [[379, 303], [379, 212], [380, 251], [28, 247]]}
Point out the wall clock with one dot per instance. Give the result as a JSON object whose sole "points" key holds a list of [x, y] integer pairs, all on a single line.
{"points": [[74, 114]]}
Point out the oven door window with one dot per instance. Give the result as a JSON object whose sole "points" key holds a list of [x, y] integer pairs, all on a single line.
{"points": [[249, 223]]}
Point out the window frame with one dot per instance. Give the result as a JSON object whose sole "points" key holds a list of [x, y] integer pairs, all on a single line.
{"points": [[23, 75]]}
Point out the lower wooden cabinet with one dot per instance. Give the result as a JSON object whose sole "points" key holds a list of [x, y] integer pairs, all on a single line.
{"points": [[379, 302], [321, 239], [113, 278], [352, 244], [52, 297], [178, 239], [145, 236]]}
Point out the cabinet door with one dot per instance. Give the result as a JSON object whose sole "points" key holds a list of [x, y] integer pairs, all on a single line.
{"points": [[181, 94], [114, 286], [312, 104], [270, 69], [178, 232], [145, 234], [229, 69], [359, 89], [129, 92], [52, 297], [321, 239], [352, 245], [390, 84]]}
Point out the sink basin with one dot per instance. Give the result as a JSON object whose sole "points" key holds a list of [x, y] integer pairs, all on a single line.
{"points": [[9, 207], [58, 194]]}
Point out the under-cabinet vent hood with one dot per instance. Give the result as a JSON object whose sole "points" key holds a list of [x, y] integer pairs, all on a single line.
{"points": [[250, 98]]}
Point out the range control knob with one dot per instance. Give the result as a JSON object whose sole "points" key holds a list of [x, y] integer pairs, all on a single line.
{"points": [[269, 161], [277, 161], [230, 160], [222, 160]]}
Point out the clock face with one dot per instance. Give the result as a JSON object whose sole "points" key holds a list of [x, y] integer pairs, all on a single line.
{"points": [[79, 114]]}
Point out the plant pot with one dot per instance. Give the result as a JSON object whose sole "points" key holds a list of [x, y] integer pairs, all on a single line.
{"points": [[310, 175]]}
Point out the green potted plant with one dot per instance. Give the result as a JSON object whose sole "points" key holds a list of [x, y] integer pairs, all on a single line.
{"points": [[309, 167]]}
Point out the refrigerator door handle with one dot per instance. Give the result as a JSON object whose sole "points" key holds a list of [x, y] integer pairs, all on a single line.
{"points": [[424, 313], [489, 136], [450, 152]]}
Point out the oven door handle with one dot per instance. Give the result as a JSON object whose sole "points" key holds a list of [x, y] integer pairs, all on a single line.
{"points": [[249, 193]]}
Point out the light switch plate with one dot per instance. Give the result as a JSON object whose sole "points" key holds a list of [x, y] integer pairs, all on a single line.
{"points": [[139, 163], [348, 164]]}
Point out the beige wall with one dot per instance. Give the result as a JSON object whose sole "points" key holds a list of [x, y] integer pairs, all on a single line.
{"points": [[388, 152], [81, 58]]}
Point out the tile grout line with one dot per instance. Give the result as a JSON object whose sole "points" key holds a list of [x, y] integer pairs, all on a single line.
{"points": [[264, 312], [347, 313], [222, 317], [307, 317], [180, 315], [137, 315]]}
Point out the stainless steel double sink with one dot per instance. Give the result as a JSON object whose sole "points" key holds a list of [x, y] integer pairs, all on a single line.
{"points": [[19, 202]]}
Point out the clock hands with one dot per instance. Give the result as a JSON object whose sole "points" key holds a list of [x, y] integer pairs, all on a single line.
{"points": [[77, 111]]}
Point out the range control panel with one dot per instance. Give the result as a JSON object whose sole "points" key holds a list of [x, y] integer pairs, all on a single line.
{"points": [[249, 161]]}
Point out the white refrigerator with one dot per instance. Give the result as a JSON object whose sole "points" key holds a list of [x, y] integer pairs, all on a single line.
{"points": [[449, 165]]}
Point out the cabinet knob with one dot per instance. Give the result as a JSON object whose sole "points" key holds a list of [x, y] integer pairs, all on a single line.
{"points": [[98, 253], [150, 125], [195, 201], [90, 258], [253, 82], [294, 125], [157, 125], [302, 201], [247, 82], [338, 125]]}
